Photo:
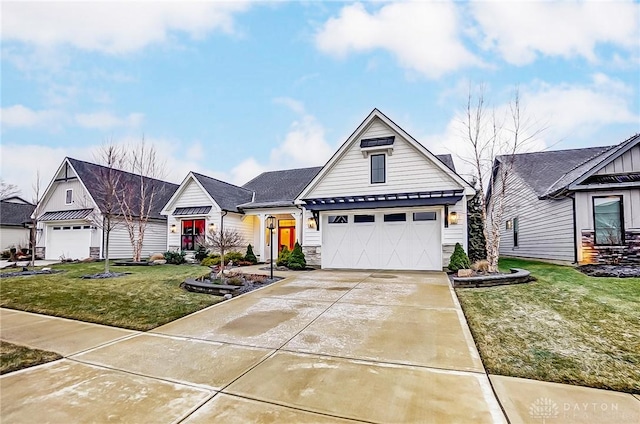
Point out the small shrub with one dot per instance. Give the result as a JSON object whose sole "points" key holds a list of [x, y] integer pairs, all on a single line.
{"points": [[296, 259], [215, 261], [283, 257], [201, 253], [235, 281], [459, 259], [481, 266], [257, 278], [244, 262], [233, 256], [6, 254], [250, 256], [174, 257]]}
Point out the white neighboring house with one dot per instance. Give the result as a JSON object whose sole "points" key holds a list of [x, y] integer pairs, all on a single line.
{"points": [[71, 206], [15, 217], [383, 201]]}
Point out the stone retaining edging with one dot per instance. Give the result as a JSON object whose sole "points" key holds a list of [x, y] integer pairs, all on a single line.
{"points": [[517, 276]]}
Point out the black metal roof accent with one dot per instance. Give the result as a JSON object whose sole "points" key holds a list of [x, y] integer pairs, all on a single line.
{"points": [[379, 141], [196, 210], [613, 178], [366, 201], [65, 215]]}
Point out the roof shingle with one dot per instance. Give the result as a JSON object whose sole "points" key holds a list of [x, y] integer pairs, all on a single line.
{"points": [[15, 214]]}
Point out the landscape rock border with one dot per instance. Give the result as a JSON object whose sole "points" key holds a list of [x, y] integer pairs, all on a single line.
{"points": [[615, 271], [517, 276]]}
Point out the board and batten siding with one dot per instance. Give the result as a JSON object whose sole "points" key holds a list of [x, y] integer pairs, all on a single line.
{"points": [[155, 241], [628, 162], [56, 198], [407, 170], [545, 226]]}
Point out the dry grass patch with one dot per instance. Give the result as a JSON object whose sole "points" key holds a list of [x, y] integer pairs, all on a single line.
{"points": [[14, 357], [565, 327], [150, 296]]}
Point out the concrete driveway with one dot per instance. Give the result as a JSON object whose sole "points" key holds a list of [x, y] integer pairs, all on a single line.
{"points": [[324, 346]]}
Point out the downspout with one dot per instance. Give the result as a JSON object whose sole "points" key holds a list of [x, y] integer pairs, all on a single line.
{"points": [[224, 213], [103, 239], [575, 229]]}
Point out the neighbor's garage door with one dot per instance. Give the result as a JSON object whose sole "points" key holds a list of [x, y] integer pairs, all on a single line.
{"points": [[382, 240], [68, 241]]}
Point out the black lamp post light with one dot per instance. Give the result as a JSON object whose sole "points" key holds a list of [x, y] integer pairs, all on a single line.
{"points": [[271, 225]]}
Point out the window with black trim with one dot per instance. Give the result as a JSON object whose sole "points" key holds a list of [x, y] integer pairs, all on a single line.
{"points": [[68, 197], [378, 169], [192, 230], [424, 216], [395, 217], [608, 219], [516, 229], [364, 218], [338, 219]]}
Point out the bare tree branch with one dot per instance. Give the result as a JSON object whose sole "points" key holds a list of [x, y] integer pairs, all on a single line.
{"points": [[8, 190]]}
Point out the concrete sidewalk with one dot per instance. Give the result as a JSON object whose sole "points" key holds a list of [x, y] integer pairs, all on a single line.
{"points": [[322, 346]]}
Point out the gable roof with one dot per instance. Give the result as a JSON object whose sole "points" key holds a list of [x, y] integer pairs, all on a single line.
{"points": [[15, 214], [226, 195], [279, 188], [447, 168], [91, 173]]}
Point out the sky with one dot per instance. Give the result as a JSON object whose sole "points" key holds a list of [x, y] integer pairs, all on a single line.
{"points": [[232, 89]]}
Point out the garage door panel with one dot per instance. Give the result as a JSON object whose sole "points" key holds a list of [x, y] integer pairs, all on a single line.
{"points": [[366, 246], [67, 241]]}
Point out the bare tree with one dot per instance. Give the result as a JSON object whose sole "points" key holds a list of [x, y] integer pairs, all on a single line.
{"points": [[8, 190], [494, 142], [222, 241], [33, 232], [105, 189], [140, 192]]}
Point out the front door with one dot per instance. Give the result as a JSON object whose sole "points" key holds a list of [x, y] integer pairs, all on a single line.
{"points": [[286, 237]]}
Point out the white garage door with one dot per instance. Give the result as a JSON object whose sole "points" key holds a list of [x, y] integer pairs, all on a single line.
{"points": [[69, 240], [382, 240]]}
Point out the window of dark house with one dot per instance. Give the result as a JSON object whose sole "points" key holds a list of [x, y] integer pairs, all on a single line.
{"points": [[68, 198], [364, 218], [338, 219], [424, 216], [516, 229], [378, 169], [192, 229], [395, 217], [608, 220]]}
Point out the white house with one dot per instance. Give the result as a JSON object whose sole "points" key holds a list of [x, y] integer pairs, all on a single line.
{"points": [[383, 201], [71, 210], [15, 216]]}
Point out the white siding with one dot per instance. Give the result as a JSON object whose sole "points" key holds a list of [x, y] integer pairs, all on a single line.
{"points": [[234, 221], [406, 170], [155, 240], [628, 162], [173, 239], [311, 236], [545, 226], [13, 237]]}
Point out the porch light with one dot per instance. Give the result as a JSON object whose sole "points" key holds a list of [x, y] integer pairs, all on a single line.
{"points": [[311, 223], [271, 222], [212, 227], [174, 228], [453, 218]]}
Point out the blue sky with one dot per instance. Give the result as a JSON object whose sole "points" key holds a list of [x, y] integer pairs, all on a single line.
{"points": [[231, 89]]}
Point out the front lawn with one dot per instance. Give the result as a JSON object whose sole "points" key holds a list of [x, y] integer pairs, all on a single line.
{"points": [[147, 298], [14, 357], [565, 327]]}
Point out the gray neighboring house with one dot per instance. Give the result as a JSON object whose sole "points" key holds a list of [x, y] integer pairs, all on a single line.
{"points": [[579, 206], [15, 216]]}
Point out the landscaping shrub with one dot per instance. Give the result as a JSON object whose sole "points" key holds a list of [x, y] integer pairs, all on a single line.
{"points": [[296, 258], [283, 257], [201, 253], [235, 281], [174, 258], [233, 256], [243, 263], [211, 261], [250, 256], [6, 254], [459, 259], [475, 235]]}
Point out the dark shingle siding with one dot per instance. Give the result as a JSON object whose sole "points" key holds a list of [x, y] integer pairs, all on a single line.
{"points": [[15, 214]]}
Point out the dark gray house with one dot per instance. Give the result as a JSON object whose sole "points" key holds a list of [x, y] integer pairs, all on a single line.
{"points": [[579, 206]]}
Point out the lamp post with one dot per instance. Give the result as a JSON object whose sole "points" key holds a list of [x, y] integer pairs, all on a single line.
{"points": [[271, 225]]}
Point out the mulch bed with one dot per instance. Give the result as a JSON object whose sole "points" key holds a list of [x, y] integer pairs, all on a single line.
{"points": [[617, 271], [27, 273], [104, 275]]}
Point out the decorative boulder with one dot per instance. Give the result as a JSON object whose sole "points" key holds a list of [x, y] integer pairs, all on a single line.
{"points": [[465, 273], [227, 296], [156, 256], [159, 262]]}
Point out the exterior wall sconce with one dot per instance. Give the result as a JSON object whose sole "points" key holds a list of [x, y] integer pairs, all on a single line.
{"points": [[311, 223], [509, 224], [453, 218], [174, 228], [212, 227]]}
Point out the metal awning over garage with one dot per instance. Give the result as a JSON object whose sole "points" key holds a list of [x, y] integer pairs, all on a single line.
{"points": [[374, 201], [66, 215], [195, 210]]}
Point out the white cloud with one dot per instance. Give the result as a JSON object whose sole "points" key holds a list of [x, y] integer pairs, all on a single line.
{"points": [[520, 31], [424, 36], [114, 27], [296, 106], [22, 116], [107, 120]]}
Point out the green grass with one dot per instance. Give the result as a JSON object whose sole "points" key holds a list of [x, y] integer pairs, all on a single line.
{"points": [[14, 357], [147, 298], [565, 327]]}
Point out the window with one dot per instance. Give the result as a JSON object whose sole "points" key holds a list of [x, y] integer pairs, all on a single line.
{"points": [[516, 229], [377, 169], [57, 228], [68, 198], [608, 220], [395, 217], [424, 216], [191, 230], [364, 218], [66, 228], [338, 219], [77, 227], [87, 227]]}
